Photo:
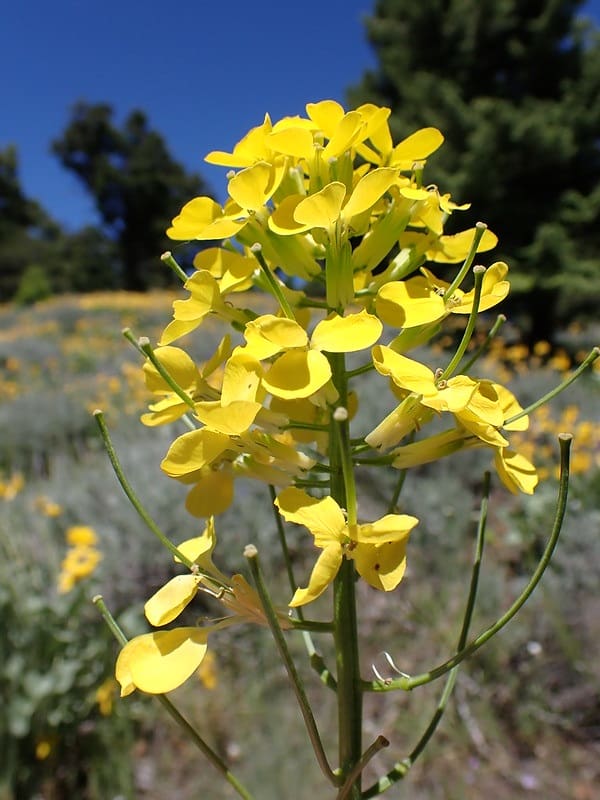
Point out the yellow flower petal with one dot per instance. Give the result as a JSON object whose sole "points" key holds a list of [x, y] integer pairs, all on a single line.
{"points": [[449, 249], [416, 147], [454, 396], [382, 567], [205, 296], [283, 219], [177, 363], [405, 372], [297, 374], [166, 410], [192, 451], [516, 472], [177, 329], [483, 430], [212, 494], [160, 662], [241, 378], [232, 419], [493, 290], [391, 528], [233, 269], [323, 517], [322, 209], [327, 114], [347, 132], [293, 141], [268, 335], [200, 548], [324, 571], [485, 404], [169, 601], [408, 304], [247, 151], [511, 406], [369, 190], [346, 334], [398, 423], [194, 217], [431, 449], [252, 187]]}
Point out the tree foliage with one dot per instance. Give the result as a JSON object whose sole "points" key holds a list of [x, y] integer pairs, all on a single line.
{"points": [[134, 181], [37, 256], [514, 85]]}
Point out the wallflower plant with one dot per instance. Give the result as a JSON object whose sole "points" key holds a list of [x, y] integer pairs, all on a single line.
{"points": [[336, 223]]}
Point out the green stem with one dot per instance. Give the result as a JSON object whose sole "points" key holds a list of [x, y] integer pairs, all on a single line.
{"points": [[400, 769], [147, 350], [167, 258], [314, 625], [480, 229], [307, 426], [312, 484], [392, 507], [478, 272], [500, 320], [251, 554], [344, 598], [131, 495], [175, 714], [352, 373], [587, 362], [379, 743], [406, 682], [272, 283]]}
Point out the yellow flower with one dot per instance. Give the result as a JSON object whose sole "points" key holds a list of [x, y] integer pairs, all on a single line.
{"points": [[105, 696], [81, 561], [440, 395], [378, 549], [250, 190], [422, 300], [161, 661], [205, 298], [193, 381], [10, 489], [43, 749], [208, 458], [81, 558], [81, 535], [443, 248], [48, 507], [415, 148], [303, 369], [333, 205]]}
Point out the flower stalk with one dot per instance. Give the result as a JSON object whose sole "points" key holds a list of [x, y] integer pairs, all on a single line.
{"points": [[325, 202]]}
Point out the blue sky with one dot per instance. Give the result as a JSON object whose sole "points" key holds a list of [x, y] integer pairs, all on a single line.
{"points": [[204, 72]]}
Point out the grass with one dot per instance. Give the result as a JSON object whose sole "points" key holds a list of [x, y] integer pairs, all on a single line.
{"points": [[525, 718]]}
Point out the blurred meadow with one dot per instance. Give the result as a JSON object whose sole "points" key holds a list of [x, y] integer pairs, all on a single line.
{"points": [[525, 719]]}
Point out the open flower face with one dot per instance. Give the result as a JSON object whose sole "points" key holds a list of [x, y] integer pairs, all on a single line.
{"points": [[378, 549], [301, 367]]}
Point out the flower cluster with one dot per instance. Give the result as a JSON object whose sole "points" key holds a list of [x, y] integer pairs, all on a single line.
{"points": [[81, 559], [335, 222], [159, 662]]}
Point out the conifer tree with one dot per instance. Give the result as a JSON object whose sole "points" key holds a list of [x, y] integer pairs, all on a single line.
{"points": [[135, 182], [514, 85]]}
